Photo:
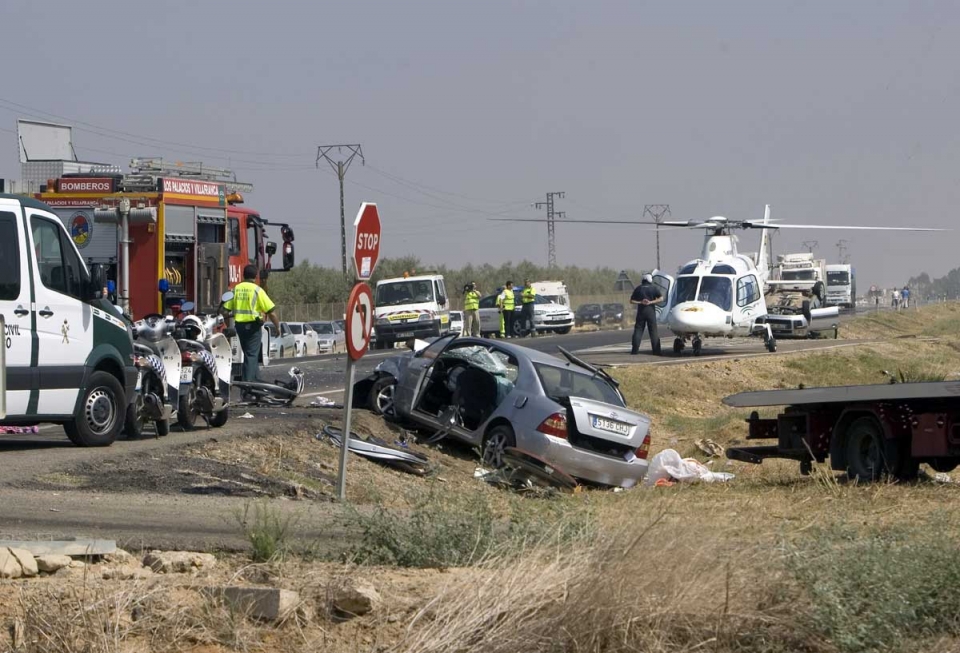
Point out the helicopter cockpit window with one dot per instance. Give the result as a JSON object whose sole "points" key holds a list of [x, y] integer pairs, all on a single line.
{"points": [[748, 291], [716, 290], [690, 268], [723, 268], [686, 289]]}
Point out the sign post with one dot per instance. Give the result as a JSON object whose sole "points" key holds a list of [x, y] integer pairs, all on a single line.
{"points": [[359, 318]]}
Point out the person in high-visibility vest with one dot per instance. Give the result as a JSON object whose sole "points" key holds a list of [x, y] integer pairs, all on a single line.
{"points": [[249, 305], [508, 304], [528, 297], [471, 310]]}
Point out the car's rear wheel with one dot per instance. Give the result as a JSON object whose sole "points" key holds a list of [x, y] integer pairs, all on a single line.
{"points": [[495, 443]]}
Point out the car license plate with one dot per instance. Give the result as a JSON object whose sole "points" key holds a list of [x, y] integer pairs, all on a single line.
{"points": [[605, 424], [405, 334], [186, 375]]}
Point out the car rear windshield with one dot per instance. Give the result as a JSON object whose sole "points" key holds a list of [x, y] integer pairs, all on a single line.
{"points": [[567, 382]]}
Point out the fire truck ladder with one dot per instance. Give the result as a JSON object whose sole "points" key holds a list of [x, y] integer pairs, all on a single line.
{"points": [[146, 170]]}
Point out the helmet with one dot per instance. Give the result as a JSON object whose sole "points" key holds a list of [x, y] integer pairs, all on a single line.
{"points": [[193, 326], [648, 278]]}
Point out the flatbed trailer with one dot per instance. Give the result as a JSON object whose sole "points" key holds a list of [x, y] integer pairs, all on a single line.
{"points": [[868, 431]]}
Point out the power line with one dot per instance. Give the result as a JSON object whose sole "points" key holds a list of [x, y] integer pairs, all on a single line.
{"points": [[657, 212], [341, 167], [551, 230]]}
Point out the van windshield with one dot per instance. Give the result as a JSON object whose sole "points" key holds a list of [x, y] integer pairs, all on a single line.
{"points": [[404, 292]]}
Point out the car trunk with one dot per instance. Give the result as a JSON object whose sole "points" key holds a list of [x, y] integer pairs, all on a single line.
{"points": [[604, 428]]}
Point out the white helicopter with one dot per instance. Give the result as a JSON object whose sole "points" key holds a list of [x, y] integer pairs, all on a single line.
{"points": [[722, 293]]}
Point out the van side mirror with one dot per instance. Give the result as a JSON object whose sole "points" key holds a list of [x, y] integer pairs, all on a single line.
{"points": [[98, 280]]}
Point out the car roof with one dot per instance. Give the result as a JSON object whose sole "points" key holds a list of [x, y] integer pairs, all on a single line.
{"points": [[519, 350]]}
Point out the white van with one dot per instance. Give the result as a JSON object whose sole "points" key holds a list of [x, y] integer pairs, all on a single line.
{"points": [[410, 307], [69, 356]]}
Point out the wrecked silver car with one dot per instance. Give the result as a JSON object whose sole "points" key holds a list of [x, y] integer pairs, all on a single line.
{"points": [[495, 395]]}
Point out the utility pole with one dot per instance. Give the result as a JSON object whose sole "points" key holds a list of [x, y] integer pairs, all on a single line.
{"points": [[810, 245], [551, 232], [657, 212], [842, 247], [341, 167]]}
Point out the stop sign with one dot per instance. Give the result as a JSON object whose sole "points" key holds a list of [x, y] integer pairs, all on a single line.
{"points": [[366, 240]]}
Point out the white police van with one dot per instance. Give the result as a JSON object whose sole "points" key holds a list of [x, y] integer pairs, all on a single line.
{"points": [[68, 356]]}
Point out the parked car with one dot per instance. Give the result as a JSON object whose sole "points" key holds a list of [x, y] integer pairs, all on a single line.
{"points": [[613, 313], [305, 339], [547, 316], [330, 337], [281, 345], [589, 314], [456, 322], [495, 395]]}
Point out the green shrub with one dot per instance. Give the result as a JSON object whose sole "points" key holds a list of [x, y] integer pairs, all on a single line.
{"points": [[881, 589], [267, 530], [451, 530]]}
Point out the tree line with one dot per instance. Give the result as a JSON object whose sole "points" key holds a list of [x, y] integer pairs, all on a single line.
{"points": [[946, 286], [307, 283]]}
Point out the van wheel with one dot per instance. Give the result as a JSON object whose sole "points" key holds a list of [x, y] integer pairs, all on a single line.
{"points": [[495, 443], [100, 418]]}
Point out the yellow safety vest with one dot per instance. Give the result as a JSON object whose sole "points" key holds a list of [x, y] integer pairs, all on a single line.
{"points": [[529, 295], [471, 300], [249, 302], [509, 303]]}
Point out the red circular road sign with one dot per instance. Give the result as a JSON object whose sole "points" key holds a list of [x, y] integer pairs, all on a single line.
{"points": [[366, 240], [359, 320]]}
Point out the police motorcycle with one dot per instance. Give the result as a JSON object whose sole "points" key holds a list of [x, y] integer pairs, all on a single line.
{"points": [[206, 374], [158, 361]]}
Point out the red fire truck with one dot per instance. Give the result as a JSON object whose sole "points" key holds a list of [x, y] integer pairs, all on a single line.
{"points": [[167, 233]]}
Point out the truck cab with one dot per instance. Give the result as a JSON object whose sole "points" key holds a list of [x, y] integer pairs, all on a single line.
{"points": [[69, 354]]}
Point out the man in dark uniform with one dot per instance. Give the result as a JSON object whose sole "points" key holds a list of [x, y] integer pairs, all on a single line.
{"points": [[646, 296]]}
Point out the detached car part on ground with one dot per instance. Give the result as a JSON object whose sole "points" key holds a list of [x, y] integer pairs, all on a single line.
{"points": [[496, 396]]}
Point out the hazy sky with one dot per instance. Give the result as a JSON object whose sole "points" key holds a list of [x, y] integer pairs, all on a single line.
{"points": [[832, 112]]}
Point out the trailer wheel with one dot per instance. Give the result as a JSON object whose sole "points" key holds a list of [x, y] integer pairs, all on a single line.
{"points": [[869, 455]]}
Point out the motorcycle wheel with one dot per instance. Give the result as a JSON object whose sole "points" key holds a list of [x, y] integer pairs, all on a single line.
{"points": [[187, 411], [219, 419], [133, 421]]}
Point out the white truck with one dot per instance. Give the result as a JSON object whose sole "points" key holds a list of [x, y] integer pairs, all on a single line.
{"points": [[554, 292], [410, 307], [796, 296], [841, 285], [69, 355]]}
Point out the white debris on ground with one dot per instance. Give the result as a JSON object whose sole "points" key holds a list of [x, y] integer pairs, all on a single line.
{"points": [[668, 467]]}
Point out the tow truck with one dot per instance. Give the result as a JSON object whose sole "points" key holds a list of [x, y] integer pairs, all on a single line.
{"points": [[167, 233], [868, 431], [796, 297]]}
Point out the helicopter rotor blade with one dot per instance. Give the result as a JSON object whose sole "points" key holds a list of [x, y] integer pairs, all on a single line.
{"points": [[760, 225]]}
